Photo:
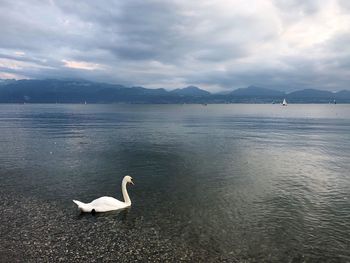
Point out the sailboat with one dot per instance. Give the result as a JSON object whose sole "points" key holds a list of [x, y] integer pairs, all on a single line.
{"points": [[284, 103]]}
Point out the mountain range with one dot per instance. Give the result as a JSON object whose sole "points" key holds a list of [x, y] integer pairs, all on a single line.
{"points": [[80, 91]]}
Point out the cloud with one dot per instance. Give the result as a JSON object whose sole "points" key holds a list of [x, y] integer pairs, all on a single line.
{"points": [[80, 65], [215, 44]]}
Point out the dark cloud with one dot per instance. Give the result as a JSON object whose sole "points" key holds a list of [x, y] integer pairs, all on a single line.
{"points": [[287, 44]]}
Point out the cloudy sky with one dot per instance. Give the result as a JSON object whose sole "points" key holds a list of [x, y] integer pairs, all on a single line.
{"points": [[217, 45]]}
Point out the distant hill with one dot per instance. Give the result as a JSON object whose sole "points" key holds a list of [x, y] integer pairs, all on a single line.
{"points": [[343, 96], [311, 95], [79, 91], [190, 91], [51, 91], [318, 96], [6, 81], [257, 92]]}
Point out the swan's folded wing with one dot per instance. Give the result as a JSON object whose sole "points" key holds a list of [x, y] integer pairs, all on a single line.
{"points": [[82, 206], [107, 203]]}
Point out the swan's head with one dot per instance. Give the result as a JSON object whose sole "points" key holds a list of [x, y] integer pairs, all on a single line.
{"points": [[128, 179]]}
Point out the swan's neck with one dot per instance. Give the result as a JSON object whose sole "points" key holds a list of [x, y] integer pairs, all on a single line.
{"points": [[125, 193]]}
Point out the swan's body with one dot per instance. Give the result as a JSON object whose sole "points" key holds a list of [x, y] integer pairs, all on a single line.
{"points": [[102, 204], [106, 203]]}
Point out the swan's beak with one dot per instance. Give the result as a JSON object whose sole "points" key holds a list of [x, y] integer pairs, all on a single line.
{"points": [[132, 182]]}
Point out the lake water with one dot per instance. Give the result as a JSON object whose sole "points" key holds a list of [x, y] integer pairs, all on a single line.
{"points": [[216, 183]]}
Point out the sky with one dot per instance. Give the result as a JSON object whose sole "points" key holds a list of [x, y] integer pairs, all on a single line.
{"points": [[216, 45]]}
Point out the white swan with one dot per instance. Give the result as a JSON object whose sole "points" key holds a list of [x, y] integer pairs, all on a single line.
{"points": [[106, 203]]}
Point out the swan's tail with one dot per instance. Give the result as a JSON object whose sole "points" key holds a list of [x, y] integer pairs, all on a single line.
{"points": [[82, 206]]}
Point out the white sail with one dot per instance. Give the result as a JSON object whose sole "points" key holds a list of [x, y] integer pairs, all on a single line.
{"points": [[284, 103]]}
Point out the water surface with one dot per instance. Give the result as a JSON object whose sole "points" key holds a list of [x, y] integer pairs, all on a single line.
{"points": [[216, 183]]}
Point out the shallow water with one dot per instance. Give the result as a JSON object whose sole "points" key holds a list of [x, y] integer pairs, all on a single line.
{"points": [[216, 183]]}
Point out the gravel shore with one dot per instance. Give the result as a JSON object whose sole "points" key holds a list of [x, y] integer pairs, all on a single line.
{"points": [[41, 231]]}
